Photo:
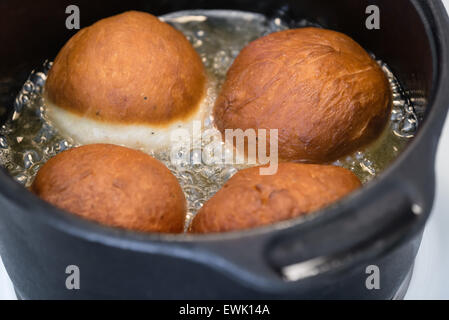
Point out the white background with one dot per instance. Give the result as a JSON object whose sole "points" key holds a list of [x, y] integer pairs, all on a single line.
{"points": [[431, 276]]}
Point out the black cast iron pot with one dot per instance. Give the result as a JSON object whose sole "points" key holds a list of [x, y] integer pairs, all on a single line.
{"points": [[381, 225]]}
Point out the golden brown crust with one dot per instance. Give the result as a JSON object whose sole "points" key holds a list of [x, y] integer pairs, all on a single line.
{"points": [[323, 92], [130, 68], [115, 186], [250, 200]]}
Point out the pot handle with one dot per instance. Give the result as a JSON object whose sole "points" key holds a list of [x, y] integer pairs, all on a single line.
{"points": [[356, 230]]}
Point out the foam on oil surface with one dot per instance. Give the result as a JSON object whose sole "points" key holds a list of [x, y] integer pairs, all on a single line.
{"points": [[29, 139]]}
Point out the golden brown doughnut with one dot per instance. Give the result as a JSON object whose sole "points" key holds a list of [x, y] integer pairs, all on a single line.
{"points": [[114, 186], [250, 200], [129, 79], [129, 68], [319, 88]]}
